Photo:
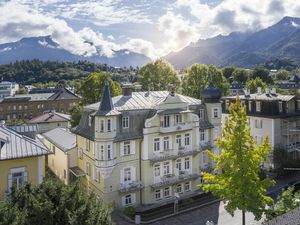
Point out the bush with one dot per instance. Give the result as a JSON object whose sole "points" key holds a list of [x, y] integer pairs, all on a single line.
{"points": [[129, 211]]}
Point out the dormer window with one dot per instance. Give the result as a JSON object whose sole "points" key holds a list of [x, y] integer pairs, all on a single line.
{"points": [[280, 106], [178, 118], [125, 122], [258, 106]]}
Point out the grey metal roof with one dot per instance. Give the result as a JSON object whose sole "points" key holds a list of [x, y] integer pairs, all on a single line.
{"points": [[15, 145], [264, 97], [62, 138], [142, 100], [30, 97], [290, 218]]}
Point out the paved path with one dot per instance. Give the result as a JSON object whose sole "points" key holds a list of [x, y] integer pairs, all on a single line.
{"points": [[214, 212]]}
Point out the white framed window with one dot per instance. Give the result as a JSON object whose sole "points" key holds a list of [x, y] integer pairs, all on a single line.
{"points": [[178, 118], [128, 200], [101, 152], [258, 123], [166, 121], [109, 153], [18, 179], [178, 164], [280, 106], [166, 168], [179, 188], [87, 147], [187, 139], [202, 135], [258, 106], [156, 146], [201, 114], [80, 154], [187, 163], [215, 113], [167, 192], [108, 125], [101, 125], [156, 170], [187, 186], [96, 174], [88, 168], [158, 195], [178, 140], [125, 122], [166, 143], [127, 174], [126, 147]]}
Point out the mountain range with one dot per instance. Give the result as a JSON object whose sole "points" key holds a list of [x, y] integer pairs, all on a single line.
{"points": [[44, 48], [279, 41]]}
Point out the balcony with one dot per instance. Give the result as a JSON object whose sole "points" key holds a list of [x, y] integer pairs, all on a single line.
{"points": [[171, 179], [292, 147], [207, 145], [187, 150], [165, 155], [176, 128], [132, 186], [105, 163]]}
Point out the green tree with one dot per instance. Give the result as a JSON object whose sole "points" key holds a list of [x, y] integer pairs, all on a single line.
{"points": [[158, 75], [228, 71], [253, 84], [283, 74], [235, 178], [92, 87], [262, 73], [52, 202], [76, 112], [288, 201], [240, 75], [198, 77]]}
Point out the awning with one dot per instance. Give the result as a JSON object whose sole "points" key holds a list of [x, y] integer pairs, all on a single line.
{"points": [[77, 171]]}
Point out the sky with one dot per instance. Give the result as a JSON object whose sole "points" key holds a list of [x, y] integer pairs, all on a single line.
{"points": [[151, 27]]}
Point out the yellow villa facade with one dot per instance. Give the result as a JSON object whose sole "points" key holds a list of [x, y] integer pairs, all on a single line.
{"points": [[22, 159], [146, 148]]}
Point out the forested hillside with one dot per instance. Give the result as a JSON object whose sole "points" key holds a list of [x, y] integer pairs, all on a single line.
{"points": [[37, 71]]}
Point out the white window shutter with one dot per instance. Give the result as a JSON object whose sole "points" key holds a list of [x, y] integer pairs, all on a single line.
{"points": [[133, 198], [132, 147], [121, 148], [133, 173], [123, 201], [9, 182], [25, 176]]}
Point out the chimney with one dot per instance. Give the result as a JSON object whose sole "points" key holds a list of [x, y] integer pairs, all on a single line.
{"points": [[172, 90], [137, 87], [2, 123], [259, 90], [127, 89], [267, 91], [273, 91]]}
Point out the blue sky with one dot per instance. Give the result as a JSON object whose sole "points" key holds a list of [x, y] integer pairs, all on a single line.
{"points": [[154, 28]]}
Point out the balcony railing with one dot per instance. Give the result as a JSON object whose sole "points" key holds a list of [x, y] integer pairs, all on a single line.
{"points": [[132, 186], [187, 150], [105, 163], [176, 127], [206, 145], [171, 179], [292, 147]]}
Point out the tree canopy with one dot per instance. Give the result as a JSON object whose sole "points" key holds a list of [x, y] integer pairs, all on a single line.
{"points": [[235, 178], [53, 203], [158, 75], [262, 73], [198, 77], [240, 75], [92, 87], [253, 84], [76, 112], [283, 75]]}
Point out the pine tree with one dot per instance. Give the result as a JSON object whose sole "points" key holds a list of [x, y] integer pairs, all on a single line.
{"points": [[235, 178]]}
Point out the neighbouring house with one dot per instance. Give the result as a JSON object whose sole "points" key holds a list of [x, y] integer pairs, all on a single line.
{"points": [[292, 84], [145, 148], [51, 120], [271, 114], [22, 159], [8, 88], [63, 161], [236, 88], [28, 106]]}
